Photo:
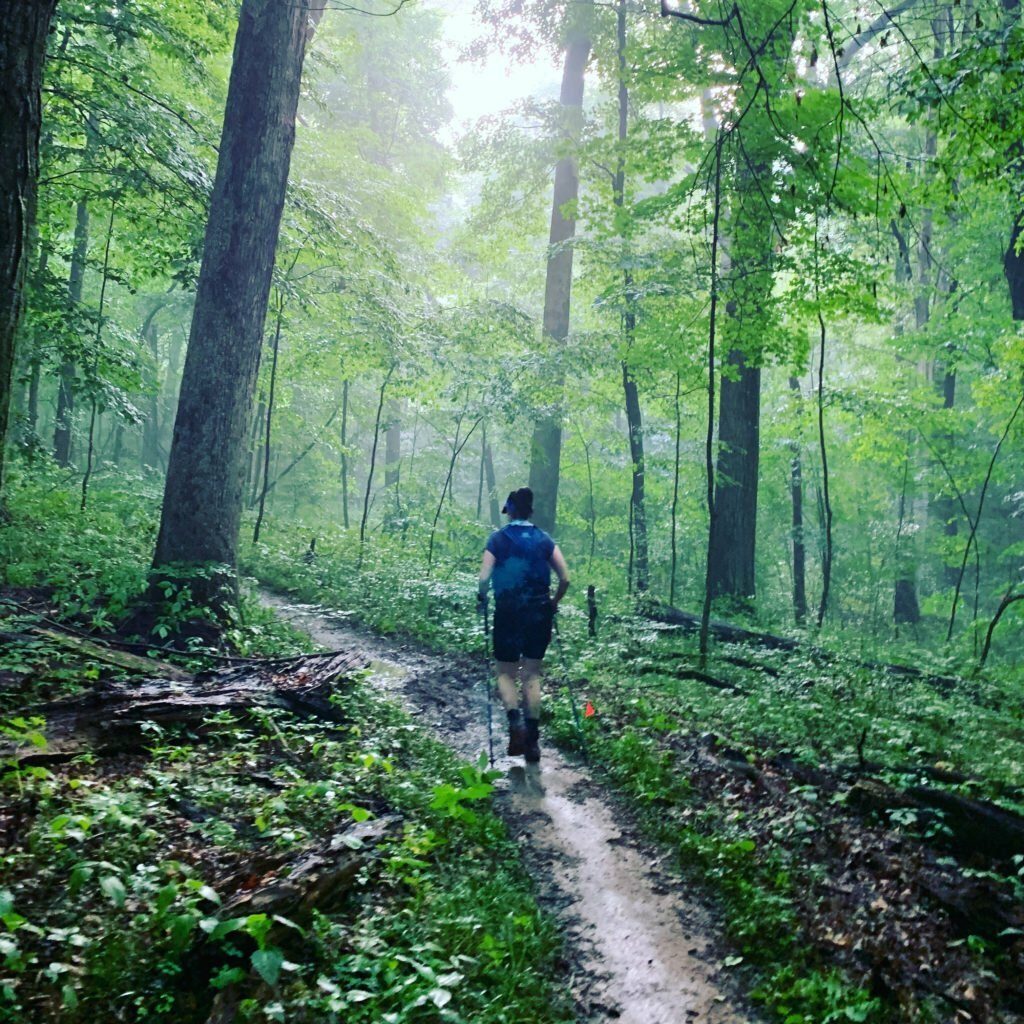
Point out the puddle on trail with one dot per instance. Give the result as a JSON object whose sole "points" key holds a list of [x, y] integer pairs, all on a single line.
{"points": [[641, 951]]}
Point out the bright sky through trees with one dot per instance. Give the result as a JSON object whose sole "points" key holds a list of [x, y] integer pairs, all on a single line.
{"points": [[482, 88]]}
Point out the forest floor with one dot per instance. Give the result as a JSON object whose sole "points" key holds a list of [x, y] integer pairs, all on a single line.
{"points": [[640, 947]]}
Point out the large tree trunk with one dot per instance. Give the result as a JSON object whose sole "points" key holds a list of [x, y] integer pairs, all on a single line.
{"points": [[24, 25], [546, 448], [732, 553], [64, 421], [203, 494]]}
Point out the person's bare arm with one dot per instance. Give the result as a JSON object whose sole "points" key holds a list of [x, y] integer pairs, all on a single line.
{"points": [[486, 568], [557, 562]]}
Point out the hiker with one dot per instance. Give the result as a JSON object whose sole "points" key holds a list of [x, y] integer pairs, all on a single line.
{"points": [[517, 563]]}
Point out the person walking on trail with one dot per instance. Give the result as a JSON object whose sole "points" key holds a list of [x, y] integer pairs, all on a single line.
{"points": [[517, 563]]}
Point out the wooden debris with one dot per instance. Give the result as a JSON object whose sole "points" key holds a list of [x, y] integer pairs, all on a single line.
{"points": [[109, 719], [133, 663]]}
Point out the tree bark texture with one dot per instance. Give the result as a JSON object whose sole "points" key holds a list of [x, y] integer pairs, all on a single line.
{"points": [[24, 25], [796, 490], [739, 423], [203, 493], [546, 448]]}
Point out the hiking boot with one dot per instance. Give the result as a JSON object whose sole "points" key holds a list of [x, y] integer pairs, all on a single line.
{"points": [[531, 749], [516, 740]]}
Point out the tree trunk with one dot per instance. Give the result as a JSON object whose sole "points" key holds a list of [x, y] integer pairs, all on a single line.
{"points": [[1013, 267], [203, 494], [634, 422], [23, 28], [492, 484], [796, 490], [546, 447], [151, 425], [393, 446], [373, 462], [65, 418], [269, 420], [344, 453], [732, 555]]}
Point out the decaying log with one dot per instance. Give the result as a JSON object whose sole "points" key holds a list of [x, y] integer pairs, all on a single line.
{"points": [[133, 663], [109, 718], [319, 878], [974, 826]]}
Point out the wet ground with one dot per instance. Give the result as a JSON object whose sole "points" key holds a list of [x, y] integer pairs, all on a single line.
{"points": [[639, 948]]}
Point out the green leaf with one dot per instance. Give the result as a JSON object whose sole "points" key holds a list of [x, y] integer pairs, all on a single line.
{"points": [[440, 997], [267, 963], [113, 888]]}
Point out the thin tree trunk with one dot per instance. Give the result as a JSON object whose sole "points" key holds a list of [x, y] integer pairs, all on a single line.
{"points": [[492, 486], [1008, 599], [373, 462], [65, 419], [906, 610], [344, 454], [151, 426], [639, 568], [393, 447], [675, 493], [252, 472], [546, 445], [22, 55], [35, 363], [826, 568], [456, 450], [480, 483], [709, 445], [796, 490], [977, 517], [202, 504], [275, 352], [97, 342]]}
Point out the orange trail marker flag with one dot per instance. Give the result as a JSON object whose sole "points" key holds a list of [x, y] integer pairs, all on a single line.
{"points": [[588, 711]]}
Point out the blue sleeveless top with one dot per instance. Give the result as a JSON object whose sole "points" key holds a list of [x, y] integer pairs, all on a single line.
{"points": [[521, 556]]}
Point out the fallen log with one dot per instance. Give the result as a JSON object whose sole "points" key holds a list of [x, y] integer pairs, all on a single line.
{"points": [[971, 826], [133, 663], [109, 719], [316, 880]]}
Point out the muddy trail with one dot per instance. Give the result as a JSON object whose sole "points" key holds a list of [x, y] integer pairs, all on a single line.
{"points": [[639, 948]]}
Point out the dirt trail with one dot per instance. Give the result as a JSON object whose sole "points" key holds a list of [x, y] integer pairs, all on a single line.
{"points": [[640, 950]]}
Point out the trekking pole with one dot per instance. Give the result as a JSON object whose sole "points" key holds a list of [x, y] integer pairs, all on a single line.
{"points": [[487, 685], [572, 695]]}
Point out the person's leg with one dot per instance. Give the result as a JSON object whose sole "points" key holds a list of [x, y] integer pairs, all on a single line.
{"points": [[531, 703], [508, 689], [508, 686], [531, 686]]}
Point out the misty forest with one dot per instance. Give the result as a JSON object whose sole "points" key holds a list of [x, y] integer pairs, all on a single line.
{"points": [[294, 293]]}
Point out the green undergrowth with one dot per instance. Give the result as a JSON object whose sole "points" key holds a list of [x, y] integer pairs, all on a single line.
{"points": [[123, 877], [106, 860], [828, 712]]}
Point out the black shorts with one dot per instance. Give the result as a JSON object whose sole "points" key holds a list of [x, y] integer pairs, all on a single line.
{"points": [[522, 629]]}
